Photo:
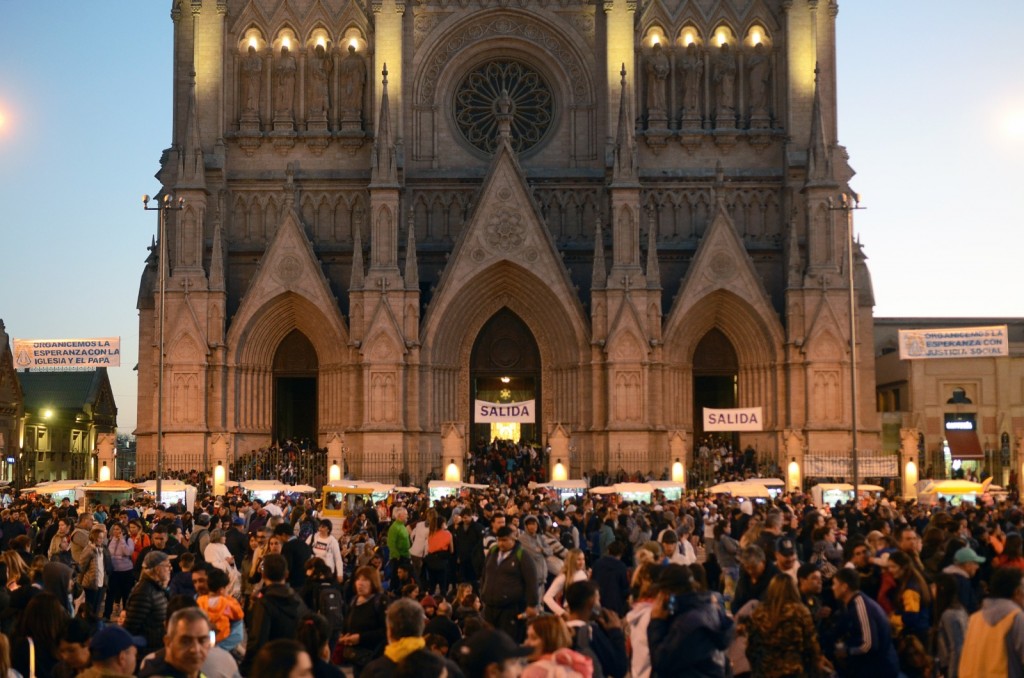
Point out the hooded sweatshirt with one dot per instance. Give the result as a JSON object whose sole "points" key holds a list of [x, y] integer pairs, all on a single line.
{"points": [[275, 613], [692, 642], [57, 580]]}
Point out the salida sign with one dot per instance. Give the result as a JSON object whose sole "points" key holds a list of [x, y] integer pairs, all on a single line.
{"points": [[733, 419], [504, 413]]}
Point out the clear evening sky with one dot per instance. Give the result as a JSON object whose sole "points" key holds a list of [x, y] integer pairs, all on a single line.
{"points": [[931, 110]]}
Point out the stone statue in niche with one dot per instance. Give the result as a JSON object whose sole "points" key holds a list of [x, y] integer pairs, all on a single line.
{"points": [[692, 65], [252, 76], [657, 73], [724, 78], [284, 74], [352, 70], [758, 70], [320, 68]]}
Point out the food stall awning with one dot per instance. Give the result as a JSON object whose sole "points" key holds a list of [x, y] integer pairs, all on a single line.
{"points": [[964, 444]]}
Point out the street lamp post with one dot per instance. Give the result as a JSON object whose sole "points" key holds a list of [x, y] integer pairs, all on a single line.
{"points": [[162, 207], [846, 208]]}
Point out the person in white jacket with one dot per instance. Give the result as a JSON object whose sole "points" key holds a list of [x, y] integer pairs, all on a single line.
{"points": [[418, 534], [575, 570], [326, 548]]}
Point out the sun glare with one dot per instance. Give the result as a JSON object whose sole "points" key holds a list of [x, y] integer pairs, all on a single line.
{"points": [[1013, 123]]}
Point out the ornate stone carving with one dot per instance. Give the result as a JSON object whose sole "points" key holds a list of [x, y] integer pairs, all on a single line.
{"points": [[288, 269], [531, 98], [505, 231], [722, 267]]}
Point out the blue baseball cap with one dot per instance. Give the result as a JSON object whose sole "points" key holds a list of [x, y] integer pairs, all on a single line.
{"points": [[111, 641]]}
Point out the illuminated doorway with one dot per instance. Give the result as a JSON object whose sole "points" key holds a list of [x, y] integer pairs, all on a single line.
{"points": [[715, 384], [505, 369]]}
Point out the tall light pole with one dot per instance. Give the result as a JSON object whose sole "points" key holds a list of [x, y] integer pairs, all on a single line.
{"points": [[846, 208], [162, 207]]}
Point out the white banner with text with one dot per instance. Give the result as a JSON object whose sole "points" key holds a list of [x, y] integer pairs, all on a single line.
{"points": [[961, 342], [734, 419], [67, 353], [523, 412]]}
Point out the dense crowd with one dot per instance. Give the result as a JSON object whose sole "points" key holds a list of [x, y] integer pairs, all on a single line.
{"points": [[508, 581]]}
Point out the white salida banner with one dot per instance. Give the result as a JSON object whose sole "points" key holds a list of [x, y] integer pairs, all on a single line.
{"points": [[522, 412], [733, 419]]}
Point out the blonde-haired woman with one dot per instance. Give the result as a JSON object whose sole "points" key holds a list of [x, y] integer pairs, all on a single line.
{"points": [[574, 570]]}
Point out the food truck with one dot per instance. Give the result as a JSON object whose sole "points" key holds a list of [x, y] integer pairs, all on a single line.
{"points": [[171, 492], [107, 492]]}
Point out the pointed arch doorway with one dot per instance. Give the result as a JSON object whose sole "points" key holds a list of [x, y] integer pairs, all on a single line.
{"points": [[295, 389], [715, 384], [505, 367]]}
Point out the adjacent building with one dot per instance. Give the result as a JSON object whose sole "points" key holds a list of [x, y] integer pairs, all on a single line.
{"points": [[612, 214], [952, 414]]}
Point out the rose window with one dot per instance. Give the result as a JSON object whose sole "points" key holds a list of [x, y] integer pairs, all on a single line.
{"points": [[478, 97]]}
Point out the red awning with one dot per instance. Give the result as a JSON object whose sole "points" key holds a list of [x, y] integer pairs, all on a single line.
{"points": [[964, 444]]}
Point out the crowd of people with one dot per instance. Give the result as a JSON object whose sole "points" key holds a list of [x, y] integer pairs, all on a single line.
{"points": [[510, 580]]}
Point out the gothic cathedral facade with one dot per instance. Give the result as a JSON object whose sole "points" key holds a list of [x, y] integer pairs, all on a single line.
{"points": [[621, 211]]}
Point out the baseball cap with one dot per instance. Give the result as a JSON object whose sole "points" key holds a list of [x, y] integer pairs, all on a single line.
{"points": [[967, 555], [111, 641], [238, 521], [488, 647], [785, 546]]}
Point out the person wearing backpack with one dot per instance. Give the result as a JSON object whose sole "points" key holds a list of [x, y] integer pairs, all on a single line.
{"points": [[200, 538], [508, 587], [322, 595]]}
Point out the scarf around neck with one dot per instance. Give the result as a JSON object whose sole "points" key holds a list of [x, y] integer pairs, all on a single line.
{"points": [[403, 647]]}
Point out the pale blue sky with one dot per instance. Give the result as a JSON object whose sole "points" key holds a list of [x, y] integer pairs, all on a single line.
{"points": [[931, 109]]}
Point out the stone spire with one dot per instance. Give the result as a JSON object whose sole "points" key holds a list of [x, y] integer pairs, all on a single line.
{"points": [[819, 158], [412, 274], [599, 278], [626, 167], [384, 162], [356, 280], [217, 259], [794, 265], [191, 168], [653, 271]]}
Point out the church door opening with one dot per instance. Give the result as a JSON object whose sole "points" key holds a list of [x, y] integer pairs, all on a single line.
{"points": [[715, 379], [295, 389], [505, 378]]}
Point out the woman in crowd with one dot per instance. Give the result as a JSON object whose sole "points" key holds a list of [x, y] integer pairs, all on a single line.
{"points": [[139, 538], [121, 548], [910, 598], [551, 641], [1013, 552], [60, 545], [951, 625], [43, 622], [326, 548], [639, 618], [364, 633], [781, 639], [282, 658], [217, 554], [315, 636], [440, 547], [574, 570]]}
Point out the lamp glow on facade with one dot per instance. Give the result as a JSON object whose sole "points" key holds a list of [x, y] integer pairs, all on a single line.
{"points": [[334, 473], [688, 39], [678, 475], [452, 474], [794, 475], [559, 472], [219, 479], [321, 42], [47, 413], [254, 43], [286, 42], [721, 37], [104, 472], [756, 36], [354, 44]]}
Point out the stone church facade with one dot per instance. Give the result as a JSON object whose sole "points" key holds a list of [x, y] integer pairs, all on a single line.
{"points": [[624, 211]]}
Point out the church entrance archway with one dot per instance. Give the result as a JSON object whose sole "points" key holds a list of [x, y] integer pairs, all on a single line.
{"points": [[715, 384], [505, 369], [295, 389]]}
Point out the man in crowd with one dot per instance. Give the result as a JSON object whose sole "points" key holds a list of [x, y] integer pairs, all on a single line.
{"points": [[610, 575], [755, 574], [603, 640], [509, 586], [276, 610], [186, 646], [865, 645], [404, 623], [994, 644], [399, 542], [469, 545], [869, 572], [114, 653], [146, 612]]}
